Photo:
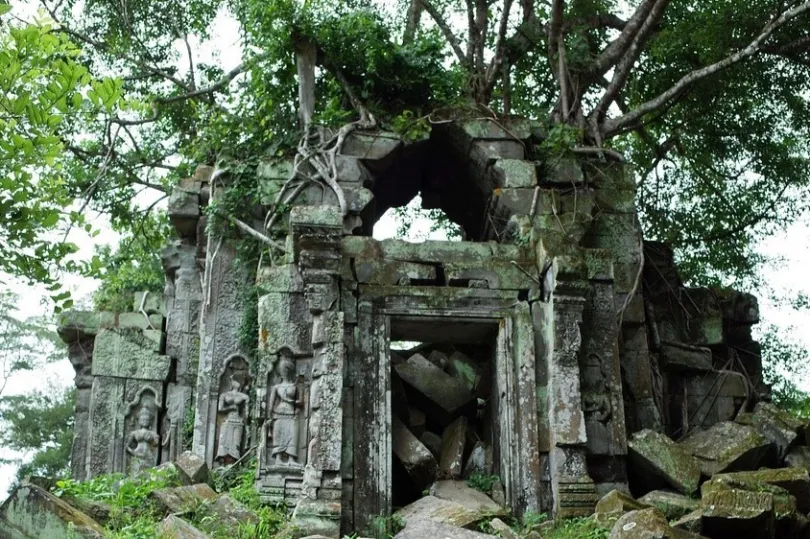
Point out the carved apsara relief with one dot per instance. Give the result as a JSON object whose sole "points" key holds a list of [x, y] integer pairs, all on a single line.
{"points": [[232, 408], [143, 440]]}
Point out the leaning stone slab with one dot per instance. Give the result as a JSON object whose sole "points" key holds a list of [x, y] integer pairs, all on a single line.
{"points": [[798, 457], [613, 505], [502, 529], [778, 426], [452, 455], [471, 499], [794, 480], [647, 524], [192, 467], [231, 514], [174, 527], [689, 522], [444, 396], [728, 447], [672, 504], [656, 455], [428, 529], [417, 459], [477, 461], [179, 500], [31, 512], [443, 511]]}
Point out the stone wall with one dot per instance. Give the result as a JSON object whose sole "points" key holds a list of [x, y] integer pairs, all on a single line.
{"points": [[591, 335]]}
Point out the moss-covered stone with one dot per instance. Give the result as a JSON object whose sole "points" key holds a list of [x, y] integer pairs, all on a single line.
{"points": [[32, 513], [672, 504], [727, 446], [659, 456]]}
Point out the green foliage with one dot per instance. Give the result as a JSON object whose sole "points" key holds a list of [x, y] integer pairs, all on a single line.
{"points": [[482, 482], [388, 526], [133, 514], [578, 528], [410, 127]]}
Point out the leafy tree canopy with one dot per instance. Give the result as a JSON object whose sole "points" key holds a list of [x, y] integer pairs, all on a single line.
{"points": [[105, 103]]}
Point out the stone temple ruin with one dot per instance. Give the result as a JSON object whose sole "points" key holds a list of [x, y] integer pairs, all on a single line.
{"points": [[547, 337]]}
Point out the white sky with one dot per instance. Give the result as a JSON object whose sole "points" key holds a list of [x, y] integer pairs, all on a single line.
{"points": [[786, 278]]}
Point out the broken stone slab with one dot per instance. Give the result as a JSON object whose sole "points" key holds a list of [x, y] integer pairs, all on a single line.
{"points": [[794, 480], [98, 511], [798, 457], [439, 359], [654, 454], [451, 461], [502, 529], [192, 467], [728, 446], [461, 493], [683, 357], [672, 504], [647, 524], [180, 500], [316, 517], [442, 511], [443, 396], [417, 459], [174, 527], [731, 513], [433, 442], [689, 522], [477, 461], [33, 512], [778, 426], [416, 420], [231, 514], [464, 369], [426, 529], [613, 505]]}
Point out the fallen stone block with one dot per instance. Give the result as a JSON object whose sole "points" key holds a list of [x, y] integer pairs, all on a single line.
{"points": [[442, 511], [180, 500], [471, 499], [794, 480], [734, 513], [416, 420], [192, 468], [647, 524], [464, 369], [174, 527], [798, 457], [689, 522], [433, 442], [613, 505], [778, 426], [656, 456], [316, 517], [439, 359], [427, 529], [477, 461], [98, 511], [417, 459], [451, 461], [443, 396], [502, 529], [33, 512], [230, 513], [726, 447], [672, 504]]}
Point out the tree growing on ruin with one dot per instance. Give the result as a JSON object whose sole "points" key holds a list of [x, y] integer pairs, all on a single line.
{"points": [[104, 102]]}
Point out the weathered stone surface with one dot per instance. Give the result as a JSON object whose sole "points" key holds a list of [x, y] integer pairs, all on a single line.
{"points": [[672, 504], [129, 353], [193, 467], [793, 480], [681, 357], [689, 522], [174, 527], [798, 457], [502, 529], [439, 359], [179, 500], [231, 514], [32, 513], [429, 529], [316, 517], [416, 421], [517, 173], [477, 461], [647, 524], [443, 511], [465, 369], [727, 446], [732, 513], [433, 442], [452, 454], [444, 395], [613, 505], [778, 426], [461, 493], [98, 511], [657, 455], [417, 459]]}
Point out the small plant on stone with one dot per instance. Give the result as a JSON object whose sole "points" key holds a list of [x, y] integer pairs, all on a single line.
{"points": [[482, 482]]}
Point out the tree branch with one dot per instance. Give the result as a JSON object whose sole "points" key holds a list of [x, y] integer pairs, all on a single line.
{"points": [[218, 85], [614, 51], [414, 14], [445, 29], [495, 66], [614, 125]]}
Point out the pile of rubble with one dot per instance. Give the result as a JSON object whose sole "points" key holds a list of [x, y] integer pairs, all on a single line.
{"points": [[440, 414], [743, 478]]}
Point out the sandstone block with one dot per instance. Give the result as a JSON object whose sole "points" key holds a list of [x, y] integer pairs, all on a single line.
{"points": [[477, 461], [193, 467], [425, 528], [794, 480], [443, 396], [798, 457], [451, 461], [471, 499], [416, 420], [647, 524], [33, 512], [778, 426], [174, 527], [179, 500], [417, 459], [656, 455], [613, 505], [442, 511], [672, 504], [731, 513], [727, 446], [502, 529]]}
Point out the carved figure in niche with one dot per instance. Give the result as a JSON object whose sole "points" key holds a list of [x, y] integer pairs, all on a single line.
{"points": [[142, 443], [284, 403], [232, 402]]}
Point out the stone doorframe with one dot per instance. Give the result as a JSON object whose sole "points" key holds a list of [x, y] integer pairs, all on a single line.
{"points": [[514, 373]]}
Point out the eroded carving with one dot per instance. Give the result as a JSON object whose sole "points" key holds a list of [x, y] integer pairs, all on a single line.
{"points": [[285, 404], [232, 404], [142, 443]]}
